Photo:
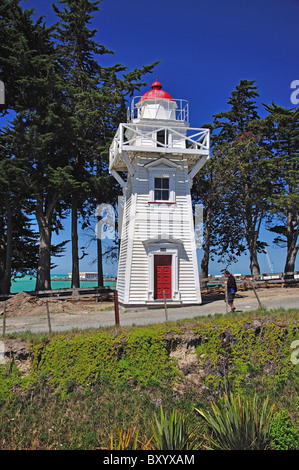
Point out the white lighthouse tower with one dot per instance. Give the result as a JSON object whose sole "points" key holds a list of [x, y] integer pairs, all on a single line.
{"points": [[160, 155]]}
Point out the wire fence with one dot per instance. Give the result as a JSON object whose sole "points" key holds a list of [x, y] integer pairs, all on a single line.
{"points": [[208, 285], [261, 280]]}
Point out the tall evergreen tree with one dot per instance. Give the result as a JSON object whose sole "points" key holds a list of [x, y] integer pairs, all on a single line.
{"points": [[284, 136], [18, 242], [78, 52], [10, 12], [39, 128], [247, 182], [96, 101], [221, 240], [18, 248]]}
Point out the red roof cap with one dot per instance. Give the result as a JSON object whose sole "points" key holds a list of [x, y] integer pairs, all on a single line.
{"points": [[157, 85], [156, 92]]}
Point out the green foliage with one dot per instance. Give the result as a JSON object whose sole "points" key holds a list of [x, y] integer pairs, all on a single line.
{"points": [[283, 219], [78, 360], [283, 433], [239, 424], [246, 175], [67, 107], [127, 440], [255, 162], [247, 353], [174, 431], [240, 354], [146, 360], [82, 388], [140, 358], [10, 378]]}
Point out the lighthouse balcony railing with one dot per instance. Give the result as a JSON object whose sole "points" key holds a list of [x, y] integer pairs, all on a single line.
{"points": [[162, 139], [176, 109]]}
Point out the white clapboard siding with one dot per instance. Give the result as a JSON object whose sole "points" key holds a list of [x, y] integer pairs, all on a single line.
{"points": [[149, 221], [121, 277]]}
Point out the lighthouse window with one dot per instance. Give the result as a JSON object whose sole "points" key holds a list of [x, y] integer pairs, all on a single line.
{"points": [[161, 189], [162, 137]]}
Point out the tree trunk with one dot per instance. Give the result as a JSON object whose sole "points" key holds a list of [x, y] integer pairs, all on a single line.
{"points": [[204, 273], [8, 258], [43, 280], [252, 226], [254, 265], [290, 263], [44, 220], [2, 261], [100, 263], [292, 249], [75, 251], [6, 247]]}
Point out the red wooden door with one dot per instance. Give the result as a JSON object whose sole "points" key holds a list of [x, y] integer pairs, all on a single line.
{"points": [[163, 276]]}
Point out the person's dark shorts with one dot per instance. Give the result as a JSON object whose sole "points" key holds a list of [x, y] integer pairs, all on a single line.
{"points": [[230, 297]]}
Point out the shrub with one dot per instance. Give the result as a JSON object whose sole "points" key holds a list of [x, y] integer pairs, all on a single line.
{"points": [[283, 433], [239, 424], [113, 381], [247, 353], [78, 360], [140, 357], [173, 432], [127, 440], [145, 360]]}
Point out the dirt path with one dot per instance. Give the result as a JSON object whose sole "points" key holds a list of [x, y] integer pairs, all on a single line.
{"points": [[27, 313]]}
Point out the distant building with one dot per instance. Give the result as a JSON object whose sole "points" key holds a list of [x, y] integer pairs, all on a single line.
{"points": [[86, 276]]}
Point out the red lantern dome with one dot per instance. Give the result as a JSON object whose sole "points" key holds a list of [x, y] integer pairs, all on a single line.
{"points": [[156, 92]]}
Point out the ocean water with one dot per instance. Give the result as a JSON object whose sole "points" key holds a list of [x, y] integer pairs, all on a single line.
{"points": [[27, 283]]}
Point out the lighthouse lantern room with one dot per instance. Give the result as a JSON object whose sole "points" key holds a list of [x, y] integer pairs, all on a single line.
{"points": [[160, 154]]}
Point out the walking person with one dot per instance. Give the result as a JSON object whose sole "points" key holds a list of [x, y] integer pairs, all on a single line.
{"points": [[231, 289]]}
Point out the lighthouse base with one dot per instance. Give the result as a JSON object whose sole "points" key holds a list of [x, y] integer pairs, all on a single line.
{"points": [[156, 305]]}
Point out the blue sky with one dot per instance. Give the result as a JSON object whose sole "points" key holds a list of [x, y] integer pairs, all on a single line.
{"points": [[205, 49]]}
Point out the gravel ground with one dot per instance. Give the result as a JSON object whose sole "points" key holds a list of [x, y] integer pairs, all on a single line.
{"points": [[93, 315]]}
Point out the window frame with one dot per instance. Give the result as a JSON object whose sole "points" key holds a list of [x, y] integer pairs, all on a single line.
{"points": [[162, 189], [162, 138], [163, 173]]}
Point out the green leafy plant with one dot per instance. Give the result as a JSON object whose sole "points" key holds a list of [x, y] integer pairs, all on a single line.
{"points": [[127, 440], [145, 359], [248, 353], [239, 424], [174, 431], [284, 435]]}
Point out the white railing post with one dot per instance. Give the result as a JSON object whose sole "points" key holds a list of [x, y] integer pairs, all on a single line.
{"points": [[121, 137]]}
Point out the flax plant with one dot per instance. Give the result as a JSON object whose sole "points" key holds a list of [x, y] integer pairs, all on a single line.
{"points": [[127, 440], [240, 424], [174, 432]]}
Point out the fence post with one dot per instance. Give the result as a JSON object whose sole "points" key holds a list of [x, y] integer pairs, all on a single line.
{"points": [[116, 309], [4, 318], [255, 293], [165, 306], [226, 298], [48, 316]]}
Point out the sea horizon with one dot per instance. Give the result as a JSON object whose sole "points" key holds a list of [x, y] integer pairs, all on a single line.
{"points": [[58, 281]]}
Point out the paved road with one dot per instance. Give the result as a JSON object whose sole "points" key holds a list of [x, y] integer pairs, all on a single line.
{"points": [[94, 319]]}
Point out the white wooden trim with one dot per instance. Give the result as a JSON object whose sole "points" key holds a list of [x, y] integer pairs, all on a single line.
{"points": [[162, 168], [130, 235], [198, 166], [164, 161], [163, 247], [129, 165], [193, 249], [119, 179]]}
